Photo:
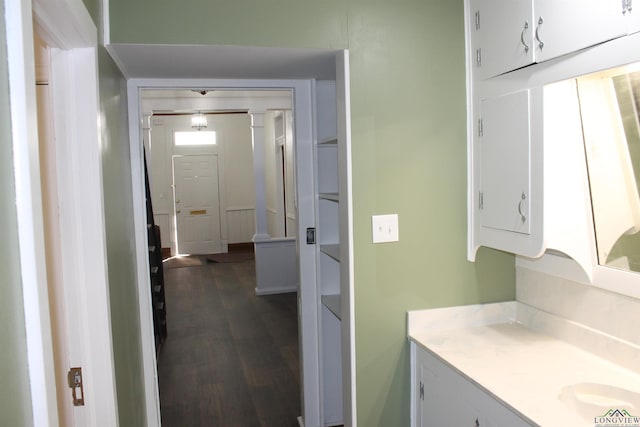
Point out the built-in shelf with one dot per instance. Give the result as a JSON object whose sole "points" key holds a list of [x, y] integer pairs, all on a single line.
{"points": [[328, 141], [329, 196], [334, 304], [332, 250]]}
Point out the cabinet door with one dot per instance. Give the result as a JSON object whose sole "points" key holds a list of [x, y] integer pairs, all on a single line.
{"points": [[445, 403], [504, 163], [503, 35], [450, 399], [564, 26]]}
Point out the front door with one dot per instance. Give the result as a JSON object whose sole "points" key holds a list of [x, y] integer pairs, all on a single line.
{"points": [[197, 204]]}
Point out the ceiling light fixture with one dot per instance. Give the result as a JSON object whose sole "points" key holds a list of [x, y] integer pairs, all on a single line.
{"points": [[198, 121]]}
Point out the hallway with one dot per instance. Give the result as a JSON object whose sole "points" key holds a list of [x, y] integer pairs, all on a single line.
{"points": [[231, 358]]}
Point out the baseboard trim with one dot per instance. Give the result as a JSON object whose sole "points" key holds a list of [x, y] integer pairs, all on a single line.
{"points": [[240, 247]]}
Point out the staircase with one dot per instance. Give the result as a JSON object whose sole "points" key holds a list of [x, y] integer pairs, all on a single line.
{"points": [[155, 270]]}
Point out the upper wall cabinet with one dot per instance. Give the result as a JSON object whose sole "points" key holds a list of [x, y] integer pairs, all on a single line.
{"points": [[511, 34], [508, 174], [502, 35], [505, 153], [564, 26]]}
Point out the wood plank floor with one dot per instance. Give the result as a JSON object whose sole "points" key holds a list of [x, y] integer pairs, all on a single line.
{"points": [[231, 357]]}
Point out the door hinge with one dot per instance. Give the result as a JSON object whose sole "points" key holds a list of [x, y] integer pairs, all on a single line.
{"points": [[477, 20], [480, 127], [480, 200], [74, 378], [479, 57], [421, 390]]}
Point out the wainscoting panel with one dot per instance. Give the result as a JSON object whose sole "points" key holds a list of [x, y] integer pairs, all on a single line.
{"points": [[241, 224]]}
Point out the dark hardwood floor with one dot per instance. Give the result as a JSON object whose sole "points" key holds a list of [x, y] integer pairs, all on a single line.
{"points": [[231, 357]]}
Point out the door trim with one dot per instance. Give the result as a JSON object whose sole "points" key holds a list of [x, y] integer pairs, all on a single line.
{"points": [[308, 293], [66, 25]]}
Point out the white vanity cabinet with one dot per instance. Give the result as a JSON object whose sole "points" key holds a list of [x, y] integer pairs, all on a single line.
{"points": [[511, 34], [443, 397]]}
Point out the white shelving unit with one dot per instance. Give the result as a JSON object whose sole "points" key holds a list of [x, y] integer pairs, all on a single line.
{"points": [[329, 216]]}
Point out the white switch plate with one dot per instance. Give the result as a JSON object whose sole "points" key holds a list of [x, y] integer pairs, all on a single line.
{"points": [[384, 228]]}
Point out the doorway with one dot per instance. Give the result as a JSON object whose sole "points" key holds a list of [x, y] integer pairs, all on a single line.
{"points": [[298, 93], [305, 114]]}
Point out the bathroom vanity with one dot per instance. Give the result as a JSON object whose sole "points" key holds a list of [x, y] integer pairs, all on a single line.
{"points": [[496, 365]]}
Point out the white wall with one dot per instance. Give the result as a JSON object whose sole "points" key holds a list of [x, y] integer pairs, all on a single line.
{"points": [[235, 168]]}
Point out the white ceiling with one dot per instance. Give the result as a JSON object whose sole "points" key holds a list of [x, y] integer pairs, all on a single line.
{"points": [[222, 62]]}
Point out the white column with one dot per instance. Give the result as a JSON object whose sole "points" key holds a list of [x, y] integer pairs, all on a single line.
{"points": [[257, 133]]}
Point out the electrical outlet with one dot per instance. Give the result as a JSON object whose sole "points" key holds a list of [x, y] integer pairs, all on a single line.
{"points": [[385, 228]]}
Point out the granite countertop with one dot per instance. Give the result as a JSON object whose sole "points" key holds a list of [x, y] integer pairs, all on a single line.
{"points": [[528, 371]]}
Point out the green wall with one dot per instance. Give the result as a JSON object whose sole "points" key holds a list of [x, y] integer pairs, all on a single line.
{"points": [[15, 397], [123, 291], [408, 147], [118, 206]]}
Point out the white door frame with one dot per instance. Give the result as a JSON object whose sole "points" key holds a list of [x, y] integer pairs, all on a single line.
{"points": [[65, 24], [308, 293], [171, 151]]}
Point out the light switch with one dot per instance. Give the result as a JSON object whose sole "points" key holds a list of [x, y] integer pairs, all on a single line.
{"points": [[384, 228]]}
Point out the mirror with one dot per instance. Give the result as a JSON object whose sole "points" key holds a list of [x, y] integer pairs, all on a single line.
{"points": [[609, 104]]}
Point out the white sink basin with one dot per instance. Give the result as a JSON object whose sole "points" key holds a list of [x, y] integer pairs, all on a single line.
{"points": [[591, 400]]}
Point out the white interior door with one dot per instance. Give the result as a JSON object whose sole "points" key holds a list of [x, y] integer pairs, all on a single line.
{"points": [[197, 204], [52, 236]]}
